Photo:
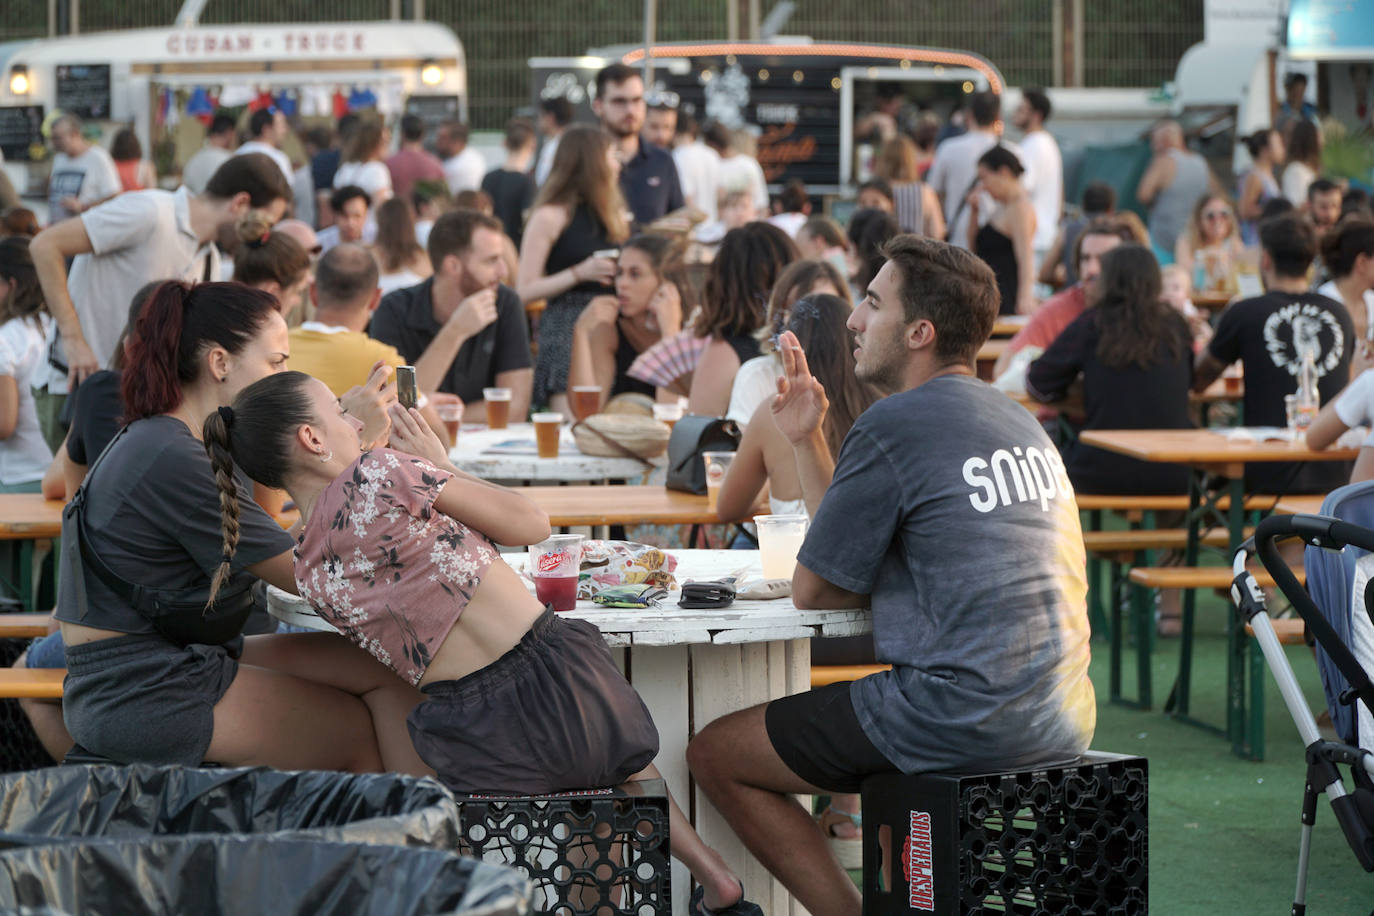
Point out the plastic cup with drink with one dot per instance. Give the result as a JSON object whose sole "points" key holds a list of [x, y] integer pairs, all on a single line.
{"points": [[498, 407], [586, 401], [668, 413], [546, 429], [717, 463], [780, 539], [451, 413], [554, 565]]}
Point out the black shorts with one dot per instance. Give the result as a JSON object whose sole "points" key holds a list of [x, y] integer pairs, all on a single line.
{"points": [[818, 735], [553, 714]]}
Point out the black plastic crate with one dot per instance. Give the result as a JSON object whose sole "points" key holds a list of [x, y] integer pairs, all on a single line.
{"points": [[597, 851], [1062, 840]]}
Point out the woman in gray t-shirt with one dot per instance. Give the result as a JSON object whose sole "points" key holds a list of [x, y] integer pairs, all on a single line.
{"points": [[152, 676]]}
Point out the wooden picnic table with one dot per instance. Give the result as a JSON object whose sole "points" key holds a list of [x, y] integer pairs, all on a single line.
{"points": [[510, 454], [620, 504], [691, 667], [28, 516], [988, 355], [1211, 300], [1009, 325], [1209, 452], [1215, 393]]}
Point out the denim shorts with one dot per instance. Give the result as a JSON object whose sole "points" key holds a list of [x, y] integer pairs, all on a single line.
{"points": [[551, 715]]}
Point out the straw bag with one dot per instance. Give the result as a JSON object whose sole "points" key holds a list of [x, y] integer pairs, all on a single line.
{"points": [[618, 435]]}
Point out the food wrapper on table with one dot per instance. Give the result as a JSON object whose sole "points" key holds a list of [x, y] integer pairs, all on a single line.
{"points": [[608, 563]]}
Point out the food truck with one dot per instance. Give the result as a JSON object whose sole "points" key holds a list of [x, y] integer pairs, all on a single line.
{"points": [[167, 83], [804, 97]]}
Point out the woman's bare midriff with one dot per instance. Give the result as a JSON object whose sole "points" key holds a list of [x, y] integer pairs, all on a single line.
{"points": [[74, 634], [500, 613]]}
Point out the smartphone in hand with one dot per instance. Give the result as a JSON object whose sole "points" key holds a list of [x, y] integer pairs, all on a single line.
{"points": [[406, 392]]}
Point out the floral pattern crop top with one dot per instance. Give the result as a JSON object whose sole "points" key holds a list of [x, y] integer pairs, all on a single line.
{"points": [[379, 562]]}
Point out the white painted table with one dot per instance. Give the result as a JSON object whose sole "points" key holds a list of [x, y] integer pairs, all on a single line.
{"points": [[517, 458], [692, 667]]}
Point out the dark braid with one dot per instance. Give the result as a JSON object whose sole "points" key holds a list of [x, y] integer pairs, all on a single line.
{"points": [[255, 434], [218, 444]]}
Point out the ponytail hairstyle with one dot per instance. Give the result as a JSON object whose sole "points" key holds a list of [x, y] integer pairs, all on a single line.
{"points": [[255, 433], [176, 326], [266, 256], [25, 299]]}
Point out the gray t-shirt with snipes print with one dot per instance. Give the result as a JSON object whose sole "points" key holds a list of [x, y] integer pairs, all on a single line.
{"points": [[951, 508]]}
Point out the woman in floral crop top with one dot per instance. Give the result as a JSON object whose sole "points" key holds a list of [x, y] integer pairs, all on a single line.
{"points": [[396, 550]]}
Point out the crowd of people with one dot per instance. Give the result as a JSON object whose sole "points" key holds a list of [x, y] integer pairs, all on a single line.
{"points": [[147, 336]]}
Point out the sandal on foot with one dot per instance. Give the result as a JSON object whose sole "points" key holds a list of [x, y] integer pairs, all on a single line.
{"points": [[740, 907], [848, 849]]}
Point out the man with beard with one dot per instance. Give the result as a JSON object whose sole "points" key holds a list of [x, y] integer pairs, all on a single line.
{"points": [[948, 513], [1098, 237], [648, 177], [463, 329]]}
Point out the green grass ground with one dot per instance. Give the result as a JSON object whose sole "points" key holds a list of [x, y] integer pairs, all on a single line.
{"points": [[1224, 831]]}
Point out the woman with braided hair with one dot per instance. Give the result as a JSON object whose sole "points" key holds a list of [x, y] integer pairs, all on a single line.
{"points": [[158, 669], [397, 550]]}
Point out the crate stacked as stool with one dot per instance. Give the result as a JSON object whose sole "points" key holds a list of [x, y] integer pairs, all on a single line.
{"points": [[598, 851], [1066, 840]]}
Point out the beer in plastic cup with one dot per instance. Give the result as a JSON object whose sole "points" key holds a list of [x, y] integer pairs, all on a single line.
{"points": [[668, 413], [586, 400], [452, 416], [716, 465], [498, 407], [1232, 377], [780, 539], [554, 565], [546, 426]]}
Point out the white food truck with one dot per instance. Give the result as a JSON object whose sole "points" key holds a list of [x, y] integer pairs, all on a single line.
{"points": [[167, 82]]}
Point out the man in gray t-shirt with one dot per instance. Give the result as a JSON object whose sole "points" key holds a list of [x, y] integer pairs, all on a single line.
{"points": [[949, 513]]}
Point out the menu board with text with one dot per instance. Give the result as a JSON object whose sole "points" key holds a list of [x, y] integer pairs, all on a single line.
{"points": [[21, 126], [84, 90]]}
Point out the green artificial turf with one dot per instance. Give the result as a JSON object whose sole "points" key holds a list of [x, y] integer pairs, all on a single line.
{"points": [[1224, 831]]}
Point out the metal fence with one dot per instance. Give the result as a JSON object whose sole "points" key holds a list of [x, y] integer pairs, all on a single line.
{"points": [[1125, 42], [1137, 42]]}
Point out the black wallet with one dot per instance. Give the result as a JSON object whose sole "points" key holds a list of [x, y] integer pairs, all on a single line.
{"points": [[719, 593]]}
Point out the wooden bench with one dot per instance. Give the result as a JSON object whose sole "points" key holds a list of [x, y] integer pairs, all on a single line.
{"points": [[821, 675], [1291, 631], [36, 683], [1136, 540], [23, 626], [1199, 577]]}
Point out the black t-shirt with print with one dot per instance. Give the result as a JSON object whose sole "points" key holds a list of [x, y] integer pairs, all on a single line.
{"points": [[1269, 335]]}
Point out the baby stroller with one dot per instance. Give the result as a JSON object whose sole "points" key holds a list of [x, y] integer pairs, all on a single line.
{"points": [[1340, 558]]}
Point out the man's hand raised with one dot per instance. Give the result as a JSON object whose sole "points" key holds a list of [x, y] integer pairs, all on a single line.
{"points": [[474, 313], [800, 406]]}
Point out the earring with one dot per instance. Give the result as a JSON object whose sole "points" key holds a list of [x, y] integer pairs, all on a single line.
{"points": [[326, 457]]}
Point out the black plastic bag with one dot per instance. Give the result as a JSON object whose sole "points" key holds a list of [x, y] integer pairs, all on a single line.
{"points": [[253, 876], [143, 800]]}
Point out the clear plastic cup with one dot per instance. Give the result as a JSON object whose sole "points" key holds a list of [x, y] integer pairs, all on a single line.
{"points": [[452, 416], [780, 539], [546, 429], [585, 401], [717, 463], [668, 413], [554, 565], [498, 407]]}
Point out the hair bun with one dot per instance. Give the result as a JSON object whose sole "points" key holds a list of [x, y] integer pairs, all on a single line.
{"points": [[254, 228]]}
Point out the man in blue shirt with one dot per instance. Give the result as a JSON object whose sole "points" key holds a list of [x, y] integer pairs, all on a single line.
{"points": [[648, 177]]}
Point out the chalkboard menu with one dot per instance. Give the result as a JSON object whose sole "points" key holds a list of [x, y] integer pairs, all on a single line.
{"points": [[433, 109], [20, 127], [84, 90]]}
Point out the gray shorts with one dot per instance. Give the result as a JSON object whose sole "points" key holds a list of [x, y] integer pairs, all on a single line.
{"points": [[140, 699], [551, 715]]}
